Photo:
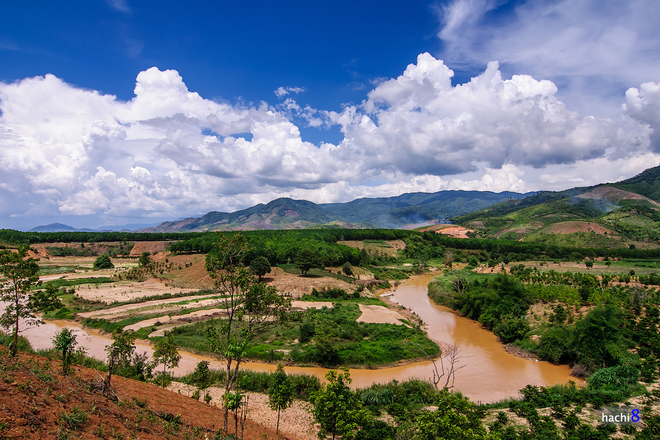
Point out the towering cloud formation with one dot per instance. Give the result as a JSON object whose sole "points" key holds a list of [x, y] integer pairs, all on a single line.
{"points": [[419, 123], [169, 151], [644, 106]]}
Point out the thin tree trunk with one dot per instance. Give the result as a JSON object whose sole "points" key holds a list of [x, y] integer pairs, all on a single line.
{"points": [[244, 410], [111, 365], [277, 430], [225, 428], [15, 349]]}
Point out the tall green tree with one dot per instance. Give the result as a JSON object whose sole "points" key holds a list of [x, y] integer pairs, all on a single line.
{"points": [[250, 306], [306, 259], [47, 299], [280, 393], [336, 408], [165, 353], [123, 359], [145, 259], [65, 341], [260, 266], [19, 274]]}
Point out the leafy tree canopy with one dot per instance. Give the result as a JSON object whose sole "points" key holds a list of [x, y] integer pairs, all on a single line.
{"points": [[103, 262]]}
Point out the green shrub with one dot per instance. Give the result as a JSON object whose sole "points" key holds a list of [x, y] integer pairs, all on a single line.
{"points": [[555, 345], [75, 418]]}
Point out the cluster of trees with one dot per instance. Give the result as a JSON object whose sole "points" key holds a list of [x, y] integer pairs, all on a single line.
{"points": [[14, 237], [602, 338], [351, 415], [500, 304], [308, 250]]}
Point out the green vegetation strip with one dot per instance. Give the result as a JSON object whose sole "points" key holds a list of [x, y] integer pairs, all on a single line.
{"points": [[329, 337], [75, 282]]}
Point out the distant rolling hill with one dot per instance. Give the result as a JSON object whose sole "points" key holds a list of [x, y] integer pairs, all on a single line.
{"points": [[58, 227], [620, 214], [279, 214], [385, 212]]}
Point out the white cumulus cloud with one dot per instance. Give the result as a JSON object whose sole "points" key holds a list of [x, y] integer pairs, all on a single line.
{"points": [[169, 152], [596, 49], [283, 91]]}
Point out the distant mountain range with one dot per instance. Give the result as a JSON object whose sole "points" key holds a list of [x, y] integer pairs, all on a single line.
{"points": [[384, 212], [59, 227], [625, 213]]}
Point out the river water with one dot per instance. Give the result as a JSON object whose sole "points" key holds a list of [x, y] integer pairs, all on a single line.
{"points": [[488, 374]]}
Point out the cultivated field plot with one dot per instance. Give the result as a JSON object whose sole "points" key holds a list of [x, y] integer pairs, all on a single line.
{"points": [[297, 286], [123, 291], [169, 305]]}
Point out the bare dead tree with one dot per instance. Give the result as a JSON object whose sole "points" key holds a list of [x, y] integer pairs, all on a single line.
{"points": [[452, 354], [460, 282]]}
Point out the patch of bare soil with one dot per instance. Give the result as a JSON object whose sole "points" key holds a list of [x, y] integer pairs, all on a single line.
{"points": [[89, 273], [38, 402], [148, 246], [298, 285], [576, 226], [127, 290], [295, 422], [454, 231], [379, 315], [407, 313], [304, 305], [192, 272]]}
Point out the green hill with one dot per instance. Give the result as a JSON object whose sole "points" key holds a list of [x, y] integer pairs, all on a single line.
{"points": [[625, 213], [279, 214]]}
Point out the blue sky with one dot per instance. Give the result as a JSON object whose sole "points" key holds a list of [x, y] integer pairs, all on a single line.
{"points": [[126, 111]]}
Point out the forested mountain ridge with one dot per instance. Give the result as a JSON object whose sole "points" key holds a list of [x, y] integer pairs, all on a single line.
{"points": [[281, 213], [387, 212], [394, 212]]}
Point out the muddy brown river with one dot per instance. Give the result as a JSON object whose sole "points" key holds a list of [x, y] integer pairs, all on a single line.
{"points": [[489, 373]]}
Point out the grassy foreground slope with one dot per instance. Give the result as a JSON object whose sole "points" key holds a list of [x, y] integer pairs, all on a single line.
{"points": [[36, 401]]}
